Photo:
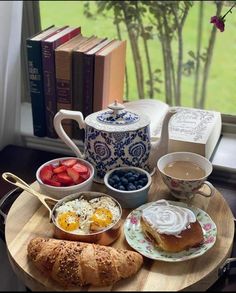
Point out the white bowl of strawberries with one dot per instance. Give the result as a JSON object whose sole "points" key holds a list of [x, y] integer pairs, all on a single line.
{"points": [[64, 176]]}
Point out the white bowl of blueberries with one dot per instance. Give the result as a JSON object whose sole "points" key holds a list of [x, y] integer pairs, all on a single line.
{"points": [[129, 185]]}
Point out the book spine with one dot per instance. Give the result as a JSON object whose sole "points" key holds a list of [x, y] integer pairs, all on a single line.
{"points": [[67, 37], [114, 77], [77, 92], [106, 83], [35, 75], [48, 57], [64, 101], [88, 73], [98, 83], [49, 87], [64, 86]]}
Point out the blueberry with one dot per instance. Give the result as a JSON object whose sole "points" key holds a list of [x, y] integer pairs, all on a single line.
{"points": [[116, 186], [136, 176], [119, 173], [131, 179], [116, 178], [140, 182], [136, 183], [142, 176], [128, 174], [111, 181], [124, 181], [145, 181], [139, 186], [121, 187], [131, 187]]}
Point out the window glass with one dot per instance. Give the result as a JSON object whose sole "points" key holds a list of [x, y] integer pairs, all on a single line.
{"points": [[220, 86]]}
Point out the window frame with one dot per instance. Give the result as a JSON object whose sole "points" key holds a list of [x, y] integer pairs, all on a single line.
{"points": [[32, 24]]}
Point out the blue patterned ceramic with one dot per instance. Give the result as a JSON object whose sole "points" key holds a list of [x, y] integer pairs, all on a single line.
{"points": [[114, 137]]}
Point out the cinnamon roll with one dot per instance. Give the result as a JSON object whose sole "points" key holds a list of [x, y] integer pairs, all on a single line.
{"points": [[173, 228]]}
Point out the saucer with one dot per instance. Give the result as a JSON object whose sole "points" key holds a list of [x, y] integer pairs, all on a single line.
{"points": [[138, 240]]}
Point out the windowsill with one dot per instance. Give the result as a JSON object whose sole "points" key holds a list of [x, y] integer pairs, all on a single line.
{"points": [[41, 143], [223, 158]]}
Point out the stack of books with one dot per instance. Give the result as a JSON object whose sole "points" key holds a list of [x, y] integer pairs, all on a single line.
{"points": [[68, 70]]}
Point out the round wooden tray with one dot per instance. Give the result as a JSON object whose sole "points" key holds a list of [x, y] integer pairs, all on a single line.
{"points": [[28, 218]]}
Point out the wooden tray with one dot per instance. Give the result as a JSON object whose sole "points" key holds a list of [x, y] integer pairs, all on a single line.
{"points": [[28, 218]]}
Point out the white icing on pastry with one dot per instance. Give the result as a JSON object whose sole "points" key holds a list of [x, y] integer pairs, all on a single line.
{"points": [[168, 219]]}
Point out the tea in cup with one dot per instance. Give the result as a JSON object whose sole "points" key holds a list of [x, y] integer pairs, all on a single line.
{"points": [[185, 174]]}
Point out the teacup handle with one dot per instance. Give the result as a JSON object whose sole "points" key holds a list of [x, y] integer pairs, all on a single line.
{"points": [[57, 121], [211, 187]]}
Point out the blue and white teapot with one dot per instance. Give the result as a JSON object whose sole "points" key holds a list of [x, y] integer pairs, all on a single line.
{"points": [[115, 137]]}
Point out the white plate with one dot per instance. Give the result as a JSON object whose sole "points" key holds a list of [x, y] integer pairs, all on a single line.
{"points": [[141, 243]]}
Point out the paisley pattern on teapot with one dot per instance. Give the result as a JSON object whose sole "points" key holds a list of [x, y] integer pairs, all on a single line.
{"points": [[108, 150], [137, 150], [102, 150]]}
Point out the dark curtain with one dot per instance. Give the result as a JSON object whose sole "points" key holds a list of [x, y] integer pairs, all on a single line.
{"points": [[31, 24]]}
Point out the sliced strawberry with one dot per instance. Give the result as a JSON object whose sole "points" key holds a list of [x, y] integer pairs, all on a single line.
{"points": [[46, 173], [80, 168], [54, 178], [59, 169], [74, 175], [64, 178], [55, 164], [69, 162], [52, 182], [85, 176]]}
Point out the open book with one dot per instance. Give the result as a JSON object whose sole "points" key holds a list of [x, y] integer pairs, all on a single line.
{"points": [[190, 129]]}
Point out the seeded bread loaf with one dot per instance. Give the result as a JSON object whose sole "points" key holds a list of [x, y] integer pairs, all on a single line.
{"points": [[73, 263]]}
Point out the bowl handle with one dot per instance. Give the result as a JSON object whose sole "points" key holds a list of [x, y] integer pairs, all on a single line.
{"points": [[57, 121], [4, 200], [13, 179]]}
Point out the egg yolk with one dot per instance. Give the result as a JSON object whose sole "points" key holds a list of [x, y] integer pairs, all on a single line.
{"points": [[102, 217], [69, 221]]}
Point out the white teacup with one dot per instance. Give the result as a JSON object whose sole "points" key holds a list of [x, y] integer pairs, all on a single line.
{"points": [[185, 174]]}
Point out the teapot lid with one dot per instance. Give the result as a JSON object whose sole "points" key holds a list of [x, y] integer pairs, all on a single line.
{"points": [[117, 118]]}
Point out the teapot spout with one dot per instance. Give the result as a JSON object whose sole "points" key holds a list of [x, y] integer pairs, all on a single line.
{"points": [[160, 147]]}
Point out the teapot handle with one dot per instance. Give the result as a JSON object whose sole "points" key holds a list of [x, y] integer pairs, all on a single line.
{"points": [[57, 121]]}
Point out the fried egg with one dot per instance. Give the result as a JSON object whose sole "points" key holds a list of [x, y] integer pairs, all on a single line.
{"points": [[81, 216], [68, 221], [102, 217]]}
